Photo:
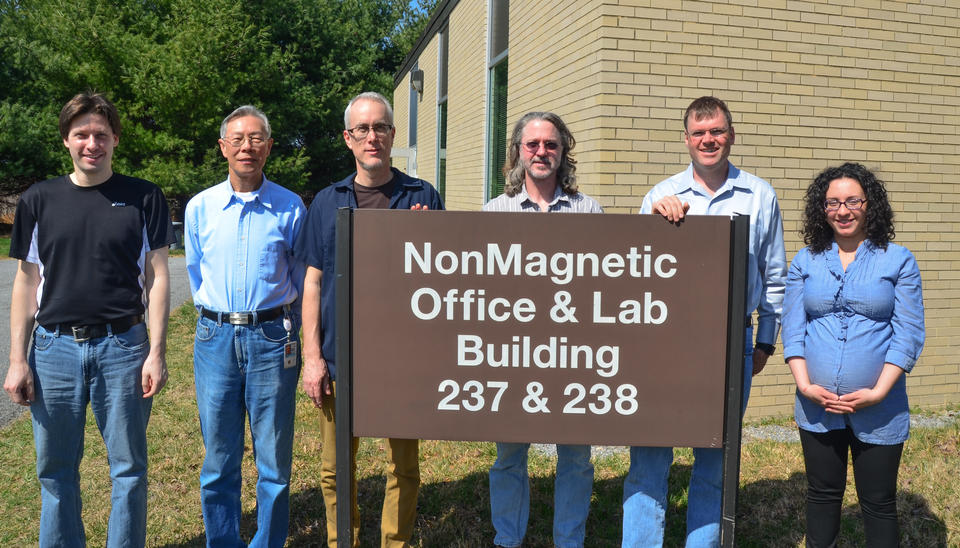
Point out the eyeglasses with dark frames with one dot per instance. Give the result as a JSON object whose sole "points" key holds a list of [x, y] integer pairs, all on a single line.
{"points": [[361, 131], [852, 204]]}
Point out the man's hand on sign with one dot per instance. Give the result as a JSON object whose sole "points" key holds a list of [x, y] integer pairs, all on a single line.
{"points": [[316, 380], [671, 208], [418, 207]]}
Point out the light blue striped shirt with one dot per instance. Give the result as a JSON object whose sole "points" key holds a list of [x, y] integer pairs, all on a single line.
{"points": [[240, 254], [561, 202], [742, 194]]}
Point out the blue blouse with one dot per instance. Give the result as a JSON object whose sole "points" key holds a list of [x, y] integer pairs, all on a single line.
{"points": [[847, 325]]}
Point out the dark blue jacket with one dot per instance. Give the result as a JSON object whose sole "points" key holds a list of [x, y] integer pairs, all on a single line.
{"points": [[317, 243]]}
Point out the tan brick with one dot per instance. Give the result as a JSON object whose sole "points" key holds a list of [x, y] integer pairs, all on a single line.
{"points": [[810, 84]]}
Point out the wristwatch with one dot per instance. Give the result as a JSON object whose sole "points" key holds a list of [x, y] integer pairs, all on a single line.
{"points": [[768, 348]]}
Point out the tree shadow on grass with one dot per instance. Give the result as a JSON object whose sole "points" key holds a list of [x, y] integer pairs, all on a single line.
{"points": [[772, 513], [456, 514], [307, 518]]}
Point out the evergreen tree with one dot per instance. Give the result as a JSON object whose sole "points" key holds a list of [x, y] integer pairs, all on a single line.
{"points": [[175, 68]]}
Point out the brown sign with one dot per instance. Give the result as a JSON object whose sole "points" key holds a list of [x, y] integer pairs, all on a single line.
{"points": [[599, 329]]}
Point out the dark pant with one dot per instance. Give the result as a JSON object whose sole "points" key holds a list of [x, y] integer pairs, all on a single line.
{"points": [[875, 472]]}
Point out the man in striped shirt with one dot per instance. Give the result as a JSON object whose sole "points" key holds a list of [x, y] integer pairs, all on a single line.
{"points": [[541, 177]]}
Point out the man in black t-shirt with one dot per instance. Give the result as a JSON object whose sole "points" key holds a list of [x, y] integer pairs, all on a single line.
{"points": [[92, 250]]}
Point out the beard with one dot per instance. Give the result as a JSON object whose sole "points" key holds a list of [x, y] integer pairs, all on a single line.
{"points": [[540, 171], [372, 164]]}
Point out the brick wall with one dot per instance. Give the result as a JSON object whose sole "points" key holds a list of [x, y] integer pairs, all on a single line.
{"points": [[401, 117], [558, 65], [810, 84], [467, 110], [426, 116]]}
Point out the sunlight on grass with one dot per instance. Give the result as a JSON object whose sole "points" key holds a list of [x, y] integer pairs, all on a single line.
{"points": [[5, 247]]}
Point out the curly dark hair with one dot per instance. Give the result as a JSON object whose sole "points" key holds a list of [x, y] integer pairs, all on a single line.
{"points": [[878, 217]]}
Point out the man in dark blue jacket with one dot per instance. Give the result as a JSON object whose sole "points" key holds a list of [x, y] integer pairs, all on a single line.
{"points": [[368, 133]]}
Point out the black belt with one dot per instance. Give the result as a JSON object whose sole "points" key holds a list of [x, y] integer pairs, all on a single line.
{"points": [[243, 318], [85, 332]]}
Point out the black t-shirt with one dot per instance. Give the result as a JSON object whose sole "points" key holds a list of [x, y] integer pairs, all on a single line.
{"points": [[374, 197], [90, 244]]}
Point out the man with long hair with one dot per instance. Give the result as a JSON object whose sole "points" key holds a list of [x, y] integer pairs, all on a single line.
{"points": [[541, 177]]}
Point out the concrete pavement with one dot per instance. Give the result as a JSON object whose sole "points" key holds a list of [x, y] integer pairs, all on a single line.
{"points": [[179, 294]]}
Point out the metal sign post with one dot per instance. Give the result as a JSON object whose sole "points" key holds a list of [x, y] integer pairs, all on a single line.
{"points": [[732, 423]]}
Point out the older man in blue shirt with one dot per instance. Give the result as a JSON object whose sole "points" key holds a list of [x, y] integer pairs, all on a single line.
{"points": [[710, 185], [246, 286]]}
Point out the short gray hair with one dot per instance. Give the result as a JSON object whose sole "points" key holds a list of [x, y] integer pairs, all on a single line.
{"points": [[240, 112], [369, 96]]}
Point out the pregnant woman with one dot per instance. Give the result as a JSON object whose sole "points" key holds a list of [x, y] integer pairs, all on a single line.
{"points": [[852, 326]]}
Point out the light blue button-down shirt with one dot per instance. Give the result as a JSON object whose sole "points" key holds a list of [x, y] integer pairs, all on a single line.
{"points": [[744, 194], [240, 253], [847, 325]]}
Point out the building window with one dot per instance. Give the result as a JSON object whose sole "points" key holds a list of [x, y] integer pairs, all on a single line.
{"points": [[442, 150], [412, 118], [497, 96], [442, 57], [497, 130]]}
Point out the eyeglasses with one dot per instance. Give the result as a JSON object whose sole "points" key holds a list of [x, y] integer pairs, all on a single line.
{"points": [[360, 132], [852, 204], [716, 133], [255, 140], [534, 146]]}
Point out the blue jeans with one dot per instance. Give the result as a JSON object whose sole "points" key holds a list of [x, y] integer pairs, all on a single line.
{"points": [[645, 488], [104, 372], [510, 494], [239, 370]]}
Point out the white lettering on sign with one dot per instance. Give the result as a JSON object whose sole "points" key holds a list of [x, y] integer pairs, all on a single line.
{"points": [[560, 267], [599, 399], [650, 311], [427, 304], [556, 353]]}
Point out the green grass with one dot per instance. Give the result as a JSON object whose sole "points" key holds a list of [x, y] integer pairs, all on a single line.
{"points": [[454, 501]]}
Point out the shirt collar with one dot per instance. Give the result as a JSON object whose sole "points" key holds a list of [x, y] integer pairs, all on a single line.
{"points": [[558, 194], [264, 193], [733, 180], [866, 246], [399, 179]]}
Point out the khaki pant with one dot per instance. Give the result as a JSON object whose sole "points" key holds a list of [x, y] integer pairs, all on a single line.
{"points": [[403, 483]]}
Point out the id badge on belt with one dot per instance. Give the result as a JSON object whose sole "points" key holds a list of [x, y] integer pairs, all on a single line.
{"points": [[290, 348]]}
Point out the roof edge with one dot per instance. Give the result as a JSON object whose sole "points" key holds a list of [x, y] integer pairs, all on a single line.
{"points": [[437, 21]]}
